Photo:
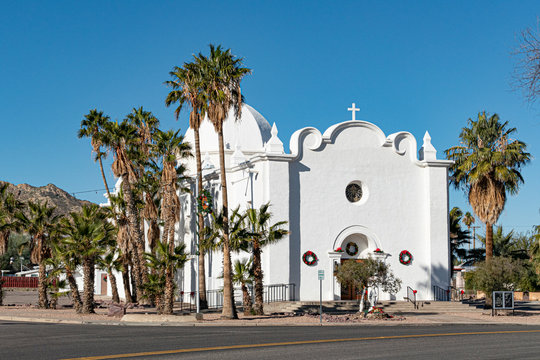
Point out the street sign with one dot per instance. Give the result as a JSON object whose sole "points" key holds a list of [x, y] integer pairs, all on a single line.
{"points": [[321, 274]]}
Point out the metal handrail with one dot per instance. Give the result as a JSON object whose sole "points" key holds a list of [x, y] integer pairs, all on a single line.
{"points": [[440, 294], [411, 296]]}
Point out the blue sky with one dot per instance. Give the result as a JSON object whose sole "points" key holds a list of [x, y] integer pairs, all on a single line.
{"points": [[412, 66]]}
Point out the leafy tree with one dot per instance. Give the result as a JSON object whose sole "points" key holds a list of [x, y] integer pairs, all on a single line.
{"points": [[527, 68], [186, 85], [501, 273], [487, 166], [222, 73], [368, 273], [42, 225], [262, 234]]}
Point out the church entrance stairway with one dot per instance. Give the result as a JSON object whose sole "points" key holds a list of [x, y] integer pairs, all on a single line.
{"points": [[392, 307]]}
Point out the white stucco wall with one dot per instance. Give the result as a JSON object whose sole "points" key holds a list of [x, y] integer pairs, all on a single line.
{"points": [[404, 207]]}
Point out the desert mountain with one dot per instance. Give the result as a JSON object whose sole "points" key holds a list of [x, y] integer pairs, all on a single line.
{"points": [[64, 202]]}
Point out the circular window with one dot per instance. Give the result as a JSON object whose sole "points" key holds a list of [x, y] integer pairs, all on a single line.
{"points": [[353, 192]]}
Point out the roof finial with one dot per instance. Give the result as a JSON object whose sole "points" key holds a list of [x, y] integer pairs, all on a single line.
{"points": [[427, 151], [274, 144]]}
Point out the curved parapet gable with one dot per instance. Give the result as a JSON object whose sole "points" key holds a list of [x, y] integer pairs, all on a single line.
{"points": [[403, 143]]}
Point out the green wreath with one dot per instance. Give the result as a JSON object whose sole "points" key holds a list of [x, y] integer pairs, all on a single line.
{"points": [[204, 202], [405, 257]]}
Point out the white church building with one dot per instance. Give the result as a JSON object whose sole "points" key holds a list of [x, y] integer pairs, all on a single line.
{"points": [[350, 187]]}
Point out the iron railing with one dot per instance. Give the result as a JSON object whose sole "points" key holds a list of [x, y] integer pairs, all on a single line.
{"points": [[411, 296], [271, 293], [440, 294]]}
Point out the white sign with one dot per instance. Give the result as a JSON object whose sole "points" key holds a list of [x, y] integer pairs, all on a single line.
{"points": [[321, 274]]}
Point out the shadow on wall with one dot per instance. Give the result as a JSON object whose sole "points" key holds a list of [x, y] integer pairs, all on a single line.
{"points": [[439, 276], [295, 168]]}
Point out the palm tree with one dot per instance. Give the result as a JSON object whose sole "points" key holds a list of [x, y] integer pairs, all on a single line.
{"points": [[70, 263], [117, 212], [262, 234], [166, 262], [222, 73], [487, 166], [120, 137], [41, 223], [92, 126], [187, 89], [169, 146], [458, 236], [468, 220], [243, 276], [111, 261], [8, 207], [87, 234], [506, 245]]}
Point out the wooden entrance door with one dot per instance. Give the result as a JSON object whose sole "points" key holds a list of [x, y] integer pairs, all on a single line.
{"points": [[349, 292], [103, 284]]}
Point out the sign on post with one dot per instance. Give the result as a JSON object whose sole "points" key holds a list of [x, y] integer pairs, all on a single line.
{"points": [[321, 278]]}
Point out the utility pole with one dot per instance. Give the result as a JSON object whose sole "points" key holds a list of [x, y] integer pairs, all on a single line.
{"points": [[474, 235]]}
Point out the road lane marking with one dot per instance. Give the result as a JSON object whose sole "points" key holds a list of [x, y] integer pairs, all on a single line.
{"points": [[304, 342]]}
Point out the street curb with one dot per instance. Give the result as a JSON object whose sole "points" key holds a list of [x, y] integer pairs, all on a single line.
{"points": [[233, 324]]}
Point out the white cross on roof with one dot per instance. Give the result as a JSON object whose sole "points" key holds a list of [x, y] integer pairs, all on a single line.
{"points": [[353, 109]]}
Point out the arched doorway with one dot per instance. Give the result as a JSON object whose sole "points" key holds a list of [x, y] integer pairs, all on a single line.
{"points": [[354, 247], [357, 243]]}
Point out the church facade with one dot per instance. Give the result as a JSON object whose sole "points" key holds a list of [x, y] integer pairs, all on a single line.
{"points": [[350, 192]]}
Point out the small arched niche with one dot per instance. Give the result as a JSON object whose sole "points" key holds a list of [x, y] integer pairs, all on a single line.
{"points": [[355, 246]]}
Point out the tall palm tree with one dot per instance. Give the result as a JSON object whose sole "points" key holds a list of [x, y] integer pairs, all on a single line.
{"points": [[42, 225], [468, 220], [124, 245], [262, 234], [92, 126], [170, 147], [222, 73], [120, 137], [88, 234], [487, 166], [187, 89]]}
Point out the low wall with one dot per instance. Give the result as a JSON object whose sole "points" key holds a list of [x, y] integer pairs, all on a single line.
{"points": [[518, 295]]}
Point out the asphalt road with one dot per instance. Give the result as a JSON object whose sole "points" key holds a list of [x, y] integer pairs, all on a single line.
{"points": [[50, 341]]}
